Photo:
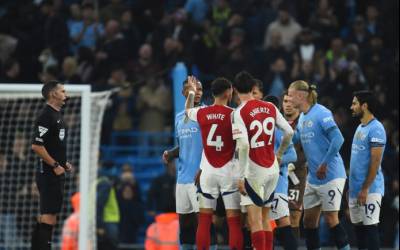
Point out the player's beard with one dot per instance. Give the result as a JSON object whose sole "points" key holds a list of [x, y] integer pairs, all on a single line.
{"points": [[358, 115]]}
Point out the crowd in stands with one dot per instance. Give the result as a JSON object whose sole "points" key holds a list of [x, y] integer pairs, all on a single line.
{"points": [[340, 46]]}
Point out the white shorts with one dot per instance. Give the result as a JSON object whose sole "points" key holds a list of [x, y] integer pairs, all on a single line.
{"points": [[367, 214], [212, 185], [186, 198], [259, 190], [328, 195], [279, 206]]}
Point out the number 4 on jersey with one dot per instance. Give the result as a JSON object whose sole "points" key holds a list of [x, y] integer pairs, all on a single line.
{"points": [[218, 143]]}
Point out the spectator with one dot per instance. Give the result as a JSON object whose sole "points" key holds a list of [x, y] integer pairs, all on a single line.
{"points": [[161, 195], [107, 214], [132, 213], [197, 10], [275, 49], [85, 64], [153, 105], [69, 71], [373, 22], [56, 32], [75, 15], [11, 71], [112, 47], [324, 22], [131, 33], [276, 79], [123, 119], [286, 25], [49, 74], [359, 34], [111, 11], [144, 67], [70, 232], [86, 32]]}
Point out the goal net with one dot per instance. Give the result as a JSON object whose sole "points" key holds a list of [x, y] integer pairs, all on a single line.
{"points": [[19, 198]]}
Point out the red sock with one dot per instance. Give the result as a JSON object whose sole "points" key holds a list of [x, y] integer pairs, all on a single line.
{"points": [[203, 239], [235, 233], [269, 240], [258, 240]]}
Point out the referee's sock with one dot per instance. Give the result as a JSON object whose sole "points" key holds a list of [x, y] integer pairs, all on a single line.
{"points": [[286, 237], [42, 237], [312, 238], [372, 234], [361, 236], [340, 237]]}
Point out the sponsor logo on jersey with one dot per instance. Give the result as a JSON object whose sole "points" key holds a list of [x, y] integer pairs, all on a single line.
{"points": [[328, 119], [42, 130], [360, 136], [357, 147]]}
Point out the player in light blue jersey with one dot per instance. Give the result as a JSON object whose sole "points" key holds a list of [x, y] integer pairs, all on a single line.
{"points": [[188, 153], [366, 184], [280, 202], [321, 140]]}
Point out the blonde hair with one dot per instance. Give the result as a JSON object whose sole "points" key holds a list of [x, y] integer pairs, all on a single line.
{"points": [[301, 85]]}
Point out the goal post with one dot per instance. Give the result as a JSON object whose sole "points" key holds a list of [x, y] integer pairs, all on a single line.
{"points": [[83, 112]]}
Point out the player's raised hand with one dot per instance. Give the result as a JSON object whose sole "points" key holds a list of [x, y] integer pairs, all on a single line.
{"points": [[321, 171], [192, 81], [69, 167]]}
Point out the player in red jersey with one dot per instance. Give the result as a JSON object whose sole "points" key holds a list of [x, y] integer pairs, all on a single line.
{"points": [[254, 124], [219, 174]]}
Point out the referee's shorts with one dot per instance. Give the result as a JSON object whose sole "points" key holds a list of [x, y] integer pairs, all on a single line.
{"points": [[51, 190]]}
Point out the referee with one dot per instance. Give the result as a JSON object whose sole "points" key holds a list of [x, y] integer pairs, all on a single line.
{"points": [[49, 144]]}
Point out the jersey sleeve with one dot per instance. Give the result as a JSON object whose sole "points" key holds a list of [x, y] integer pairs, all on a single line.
{"points": [[282, 123], [42, 128], [238, 127], [192, 113], [377, 137], [326, 121]]}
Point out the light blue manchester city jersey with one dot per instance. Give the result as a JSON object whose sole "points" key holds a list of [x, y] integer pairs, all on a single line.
{"points": [[313, 128], [367, 136], [188, 137]]}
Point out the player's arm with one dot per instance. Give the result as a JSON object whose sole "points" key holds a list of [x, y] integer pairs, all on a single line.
{"points": [[335, 138], [189, 103], [41, 135], [289, 155], [287, 134], [239, 133]]}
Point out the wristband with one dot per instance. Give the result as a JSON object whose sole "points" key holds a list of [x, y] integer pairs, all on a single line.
{"points": [[56, 164]]}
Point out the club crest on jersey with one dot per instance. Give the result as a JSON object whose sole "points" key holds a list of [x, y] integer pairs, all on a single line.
{"points": [[360, 136], [307, 124], [61, 134]]}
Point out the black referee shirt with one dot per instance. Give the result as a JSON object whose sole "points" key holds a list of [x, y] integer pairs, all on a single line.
{"points": [[50, 132]]}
